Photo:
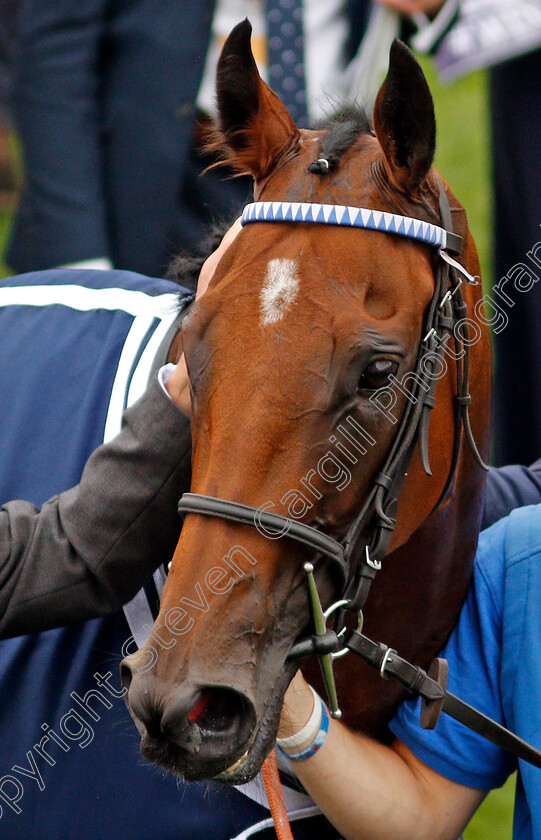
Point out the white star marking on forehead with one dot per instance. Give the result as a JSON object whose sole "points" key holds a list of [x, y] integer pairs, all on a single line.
{"points": [[279, 290]]}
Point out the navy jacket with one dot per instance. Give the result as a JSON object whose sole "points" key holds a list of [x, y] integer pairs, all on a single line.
{"points": [[76, 348]]}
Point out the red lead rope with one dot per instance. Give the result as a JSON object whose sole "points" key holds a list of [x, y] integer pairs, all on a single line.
{"points": [[273, 787]]}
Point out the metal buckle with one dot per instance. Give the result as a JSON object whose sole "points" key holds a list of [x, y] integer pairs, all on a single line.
{"points": [[450, 292], [429, 335], [374, 564], [447, 296], [386, 659]]}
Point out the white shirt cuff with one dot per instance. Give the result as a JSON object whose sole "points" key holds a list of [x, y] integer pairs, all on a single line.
{"points": [[163, 376]]}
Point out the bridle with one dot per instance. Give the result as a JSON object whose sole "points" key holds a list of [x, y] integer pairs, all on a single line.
{"points": [[369, 535], [370, 532]]}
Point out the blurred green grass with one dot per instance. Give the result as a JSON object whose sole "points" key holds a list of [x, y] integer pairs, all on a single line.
{"points": [[7, 214], [494, 819], [462, 157], [5, 225], [463, 152]]}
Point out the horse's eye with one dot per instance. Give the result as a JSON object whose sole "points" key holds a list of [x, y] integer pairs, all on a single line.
{"points": [[377, 375]]}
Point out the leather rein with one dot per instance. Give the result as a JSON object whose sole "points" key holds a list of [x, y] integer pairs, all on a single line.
{"points": [[369, 535]]}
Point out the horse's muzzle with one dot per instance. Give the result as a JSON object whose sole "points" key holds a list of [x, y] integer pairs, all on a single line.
{"points": [[195, 731]]}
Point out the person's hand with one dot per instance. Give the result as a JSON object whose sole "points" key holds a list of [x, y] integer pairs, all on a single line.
{"points": [[297, 708], [412, 7], [178, 384]]}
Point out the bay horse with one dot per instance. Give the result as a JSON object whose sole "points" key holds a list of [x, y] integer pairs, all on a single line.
{"points": [[302, 332]]}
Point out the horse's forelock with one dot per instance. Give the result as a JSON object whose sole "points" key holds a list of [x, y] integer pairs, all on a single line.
{"points": [[341, 130]]}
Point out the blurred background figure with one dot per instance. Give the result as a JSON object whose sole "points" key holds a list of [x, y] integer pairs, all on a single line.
{"points": [[515, 99], [506, 37], [8, 22], [112, 98], [104, 98]]}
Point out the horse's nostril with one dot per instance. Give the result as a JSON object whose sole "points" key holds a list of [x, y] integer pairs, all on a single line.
{"points": [[214, 712], [217, 710], [126, 675], [200, 705]]}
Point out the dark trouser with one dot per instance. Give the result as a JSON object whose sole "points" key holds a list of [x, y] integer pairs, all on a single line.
{"points": [[515, 89], [204, 198]]}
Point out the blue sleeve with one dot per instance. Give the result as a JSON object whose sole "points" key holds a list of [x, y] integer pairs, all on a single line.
{"points": [[474, 654], [508, 488]]}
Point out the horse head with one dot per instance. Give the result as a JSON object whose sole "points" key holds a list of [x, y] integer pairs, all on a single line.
{"points": [[301, 358]]}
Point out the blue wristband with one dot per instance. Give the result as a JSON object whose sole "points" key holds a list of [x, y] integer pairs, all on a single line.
{"points": [[316, 743]]}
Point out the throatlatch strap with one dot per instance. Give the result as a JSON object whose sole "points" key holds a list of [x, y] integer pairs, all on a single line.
{"points": [[418, 683]]}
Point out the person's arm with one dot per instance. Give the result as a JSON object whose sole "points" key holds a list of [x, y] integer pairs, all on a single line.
{"points": [[432, 18], [413, 7], [370, 791], [428, 783], [89, 550]]}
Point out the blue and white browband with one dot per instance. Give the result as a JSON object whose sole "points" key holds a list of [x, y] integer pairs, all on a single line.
{"points": [[360, 217], [356, 217]]}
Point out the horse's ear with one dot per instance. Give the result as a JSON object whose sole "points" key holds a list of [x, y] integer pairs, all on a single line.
{"points": [[253, 121], [404, 120]]}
